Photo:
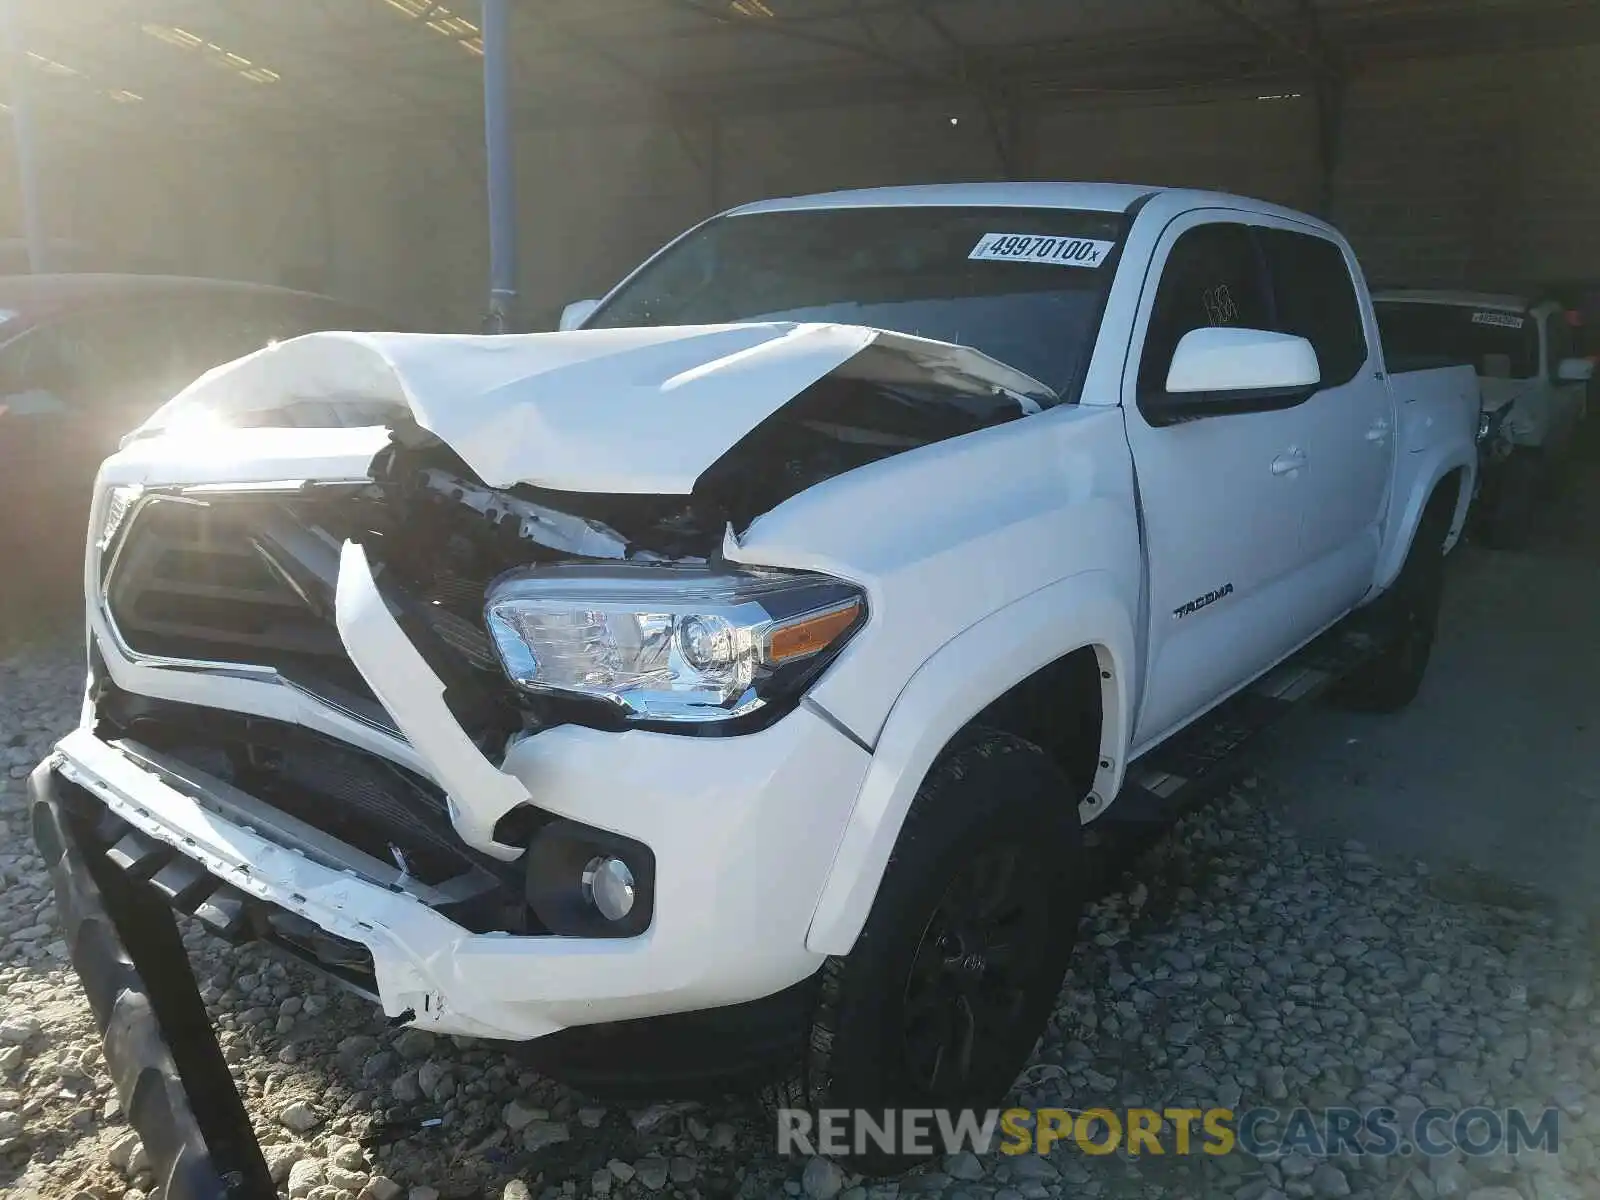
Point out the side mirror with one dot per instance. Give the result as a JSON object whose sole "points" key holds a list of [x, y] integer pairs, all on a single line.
{"points": [[576, 313], [1222, 371], [1575, 370]]}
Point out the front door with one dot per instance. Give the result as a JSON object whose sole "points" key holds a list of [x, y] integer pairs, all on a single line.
{"points": [[1222, 497]]}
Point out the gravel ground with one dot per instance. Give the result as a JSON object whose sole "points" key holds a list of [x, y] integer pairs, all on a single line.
{"points": [[1244, 970]]}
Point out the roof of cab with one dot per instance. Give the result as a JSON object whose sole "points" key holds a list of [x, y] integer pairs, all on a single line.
{"points": [[1091, 197]]}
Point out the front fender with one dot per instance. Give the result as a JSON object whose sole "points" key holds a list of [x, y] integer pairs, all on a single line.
{"points": [[1420, 473], [947, 691]]}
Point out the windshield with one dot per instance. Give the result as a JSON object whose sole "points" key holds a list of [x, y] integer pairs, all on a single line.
{"points": [[1498, 343], [1024, 286]]}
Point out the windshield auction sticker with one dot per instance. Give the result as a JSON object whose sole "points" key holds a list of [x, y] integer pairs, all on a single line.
{"points": [[1039, 248], [1506, 320]]}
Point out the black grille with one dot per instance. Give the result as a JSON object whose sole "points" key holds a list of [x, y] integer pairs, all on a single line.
{"points": [[363, 800], [250, 580], [191, 581]]}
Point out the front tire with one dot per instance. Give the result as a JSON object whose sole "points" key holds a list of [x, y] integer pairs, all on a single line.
{"points": [[941, 1001]]}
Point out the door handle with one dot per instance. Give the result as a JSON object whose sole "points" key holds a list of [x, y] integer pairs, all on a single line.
{"points": [[1288, 462]]}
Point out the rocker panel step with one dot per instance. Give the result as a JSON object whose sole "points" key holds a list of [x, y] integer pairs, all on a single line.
{"points": [[1183, 769]]}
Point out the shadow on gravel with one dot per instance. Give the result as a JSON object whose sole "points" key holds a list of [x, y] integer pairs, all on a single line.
{"points": [[1466, 884]]}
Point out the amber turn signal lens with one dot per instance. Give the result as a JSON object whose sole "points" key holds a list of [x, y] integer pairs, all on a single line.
{"points": [[810, 634]]}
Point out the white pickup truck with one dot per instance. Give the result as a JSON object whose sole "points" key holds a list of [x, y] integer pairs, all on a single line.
{"points": [[754, 656], [1535, 390]]}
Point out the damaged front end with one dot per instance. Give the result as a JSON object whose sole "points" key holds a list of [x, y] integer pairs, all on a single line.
{"points": [[356, 670], [485, 584], [446, 619]]}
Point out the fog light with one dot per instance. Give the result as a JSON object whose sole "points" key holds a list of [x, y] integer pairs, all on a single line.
{"points": [[589, 883], [608, 885]]}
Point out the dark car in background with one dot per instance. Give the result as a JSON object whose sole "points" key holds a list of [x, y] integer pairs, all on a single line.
{"points": [[86, 358]]}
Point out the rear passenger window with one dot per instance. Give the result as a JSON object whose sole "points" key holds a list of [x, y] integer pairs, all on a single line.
{"points": [[1316, 299], [1212, 277]]}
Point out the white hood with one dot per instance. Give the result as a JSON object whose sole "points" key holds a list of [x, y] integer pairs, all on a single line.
{"points": [[610, 410]]}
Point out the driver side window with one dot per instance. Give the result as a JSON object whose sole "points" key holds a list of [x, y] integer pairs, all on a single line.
{"points": [[1212, 277]]}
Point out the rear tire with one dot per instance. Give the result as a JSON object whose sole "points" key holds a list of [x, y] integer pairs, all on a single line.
{"points": [[1410, 620], [940, 1003]]}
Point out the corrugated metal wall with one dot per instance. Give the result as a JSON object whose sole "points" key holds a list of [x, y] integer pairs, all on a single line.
{"points": [[1481, 172], [1478, 171], [1264, 148]]}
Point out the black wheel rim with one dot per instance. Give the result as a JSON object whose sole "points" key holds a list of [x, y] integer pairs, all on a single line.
{"points": [[971, 976]]}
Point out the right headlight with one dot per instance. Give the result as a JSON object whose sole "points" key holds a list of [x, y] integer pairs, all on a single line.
{"points": [[670, 644]]}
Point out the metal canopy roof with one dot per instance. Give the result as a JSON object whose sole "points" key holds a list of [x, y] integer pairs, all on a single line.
{"points": [[398, 62], [251, 76]]}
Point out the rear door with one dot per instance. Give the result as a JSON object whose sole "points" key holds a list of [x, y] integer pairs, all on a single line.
{"points": [[1222, 496], [1349, 424]]}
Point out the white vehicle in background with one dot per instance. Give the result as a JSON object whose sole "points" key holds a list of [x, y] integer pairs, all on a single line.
{"points": [[726, 684], [1534, 387]]}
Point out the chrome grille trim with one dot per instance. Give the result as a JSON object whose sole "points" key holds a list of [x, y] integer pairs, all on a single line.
{"points": [[233, 668]]}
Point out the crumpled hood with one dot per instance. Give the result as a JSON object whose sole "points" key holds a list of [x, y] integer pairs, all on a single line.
{"points": [[641, 411]]}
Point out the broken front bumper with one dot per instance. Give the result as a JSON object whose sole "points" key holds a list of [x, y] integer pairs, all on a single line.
{"points": [[743, 832]]}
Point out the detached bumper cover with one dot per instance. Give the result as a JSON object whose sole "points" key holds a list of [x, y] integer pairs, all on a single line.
{"points": [[158, 1042], [743, 829]]}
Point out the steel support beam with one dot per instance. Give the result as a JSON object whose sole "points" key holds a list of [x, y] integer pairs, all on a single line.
{"points": [[502, 172], [1330, 93], [1330, 141], [22, 136]]}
